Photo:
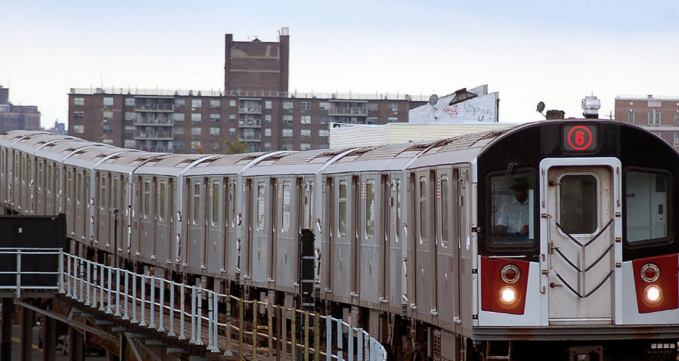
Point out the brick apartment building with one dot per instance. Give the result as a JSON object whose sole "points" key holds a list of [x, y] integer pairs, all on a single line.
{"points": [[15, 117], [659, 115], [255, 108]]}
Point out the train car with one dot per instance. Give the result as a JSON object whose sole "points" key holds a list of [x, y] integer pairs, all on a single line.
{"points": [[548, 240]]}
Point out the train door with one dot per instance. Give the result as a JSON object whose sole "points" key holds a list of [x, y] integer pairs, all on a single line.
{"points": [[423, 244], [384, 238], [327, 252], [394, 271], [215, 228], [145, 240], [371, 238], [161, 242], [232, 246], [196, 225], [341, 253], [579, 224], [70, 201], [102, 213], [40, 189], [245, 242], [355, 237], [273, 231], [446, 300], [50, 185], [25, 175]]}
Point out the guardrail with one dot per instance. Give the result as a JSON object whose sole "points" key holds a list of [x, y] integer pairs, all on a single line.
{"points": [[30, 269], [229, 320]]}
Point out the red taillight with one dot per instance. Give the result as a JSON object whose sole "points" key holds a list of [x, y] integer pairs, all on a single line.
{"points": [[510, 273], [650, 272]]}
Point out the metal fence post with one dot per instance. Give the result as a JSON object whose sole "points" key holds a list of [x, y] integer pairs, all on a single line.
{"points": [[172, 287], [126, 294], [117, 314], [317, 337], [61, 271], [241, 329], [339, 341], [350, 343], [209, 321], [101, 289], [134, 298], [142, 323], [293, 333], [68, 266], [254, 330], [193, 315], [18, 275], [215, 324], [306, 335], [81, 274], [95, 284], [182, 336], [89, 283], [110, 286], [161, 306], [199, 319], [152, 300], [328, 338]]}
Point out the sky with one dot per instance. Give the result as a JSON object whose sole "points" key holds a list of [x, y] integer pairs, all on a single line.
{"points": [[553, 51]]}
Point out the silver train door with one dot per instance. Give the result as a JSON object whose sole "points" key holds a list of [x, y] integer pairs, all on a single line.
{"points": [[580, 200]]}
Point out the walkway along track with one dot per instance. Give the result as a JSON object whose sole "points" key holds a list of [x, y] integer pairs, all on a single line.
{"points": [[201, 321]]}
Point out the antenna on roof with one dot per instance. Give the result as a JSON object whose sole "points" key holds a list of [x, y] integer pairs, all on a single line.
{"points": [[433, 99]]}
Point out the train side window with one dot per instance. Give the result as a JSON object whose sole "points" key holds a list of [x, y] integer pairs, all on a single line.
{"points": [[445, 214], [215, 203], [286, 207], [512, 208], [423, 210], [647, 211], [261, 204], [196, 202], [370, 209], [342, 203], [162, 212]]}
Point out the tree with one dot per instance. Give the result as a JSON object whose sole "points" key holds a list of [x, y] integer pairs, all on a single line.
{"points": [[235, 146]]}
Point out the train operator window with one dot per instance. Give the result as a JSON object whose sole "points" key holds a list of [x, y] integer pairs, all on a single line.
{"points": [[646, 211], [578, 202], [512, 208]]}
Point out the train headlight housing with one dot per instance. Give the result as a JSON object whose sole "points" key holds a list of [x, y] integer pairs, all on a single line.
{"points": [[650, 272], [507, 295], [510, 273], [653, 294]]}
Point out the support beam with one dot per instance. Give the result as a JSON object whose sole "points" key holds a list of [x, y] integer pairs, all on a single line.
{"points": [[76, 345], [26, 344], [6, 336], [49, 336]]}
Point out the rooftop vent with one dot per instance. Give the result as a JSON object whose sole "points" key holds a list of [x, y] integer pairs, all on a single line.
{"points": [[590, 107]]}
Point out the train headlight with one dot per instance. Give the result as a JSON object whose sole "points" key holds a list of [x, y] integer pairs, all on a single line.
{"points": [[653, 294], [650, 272], [510, 273], [507, 295]]}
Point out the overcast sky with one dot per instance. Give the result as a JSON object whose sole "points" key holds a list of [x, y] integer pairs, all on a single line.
{"points": [[529, 51]]}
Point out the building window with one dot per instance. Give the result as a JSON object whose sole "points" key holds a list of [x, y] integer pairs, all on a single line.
{"points": [[130, 143], [267, 132], [215, 117], [214, 145], [287, 105], [653, 118], [214, 131], [215, 104], [305, 146], [130, 115], [196, 117], [232, 117], [393, 107], [78, 101], [232, 132], [306, 119], [78, 115], [129, 129], [179, 102], [324, 133], [178, 117], [392, 120], [324, 120], [267, 118], [178, 144], [287, 119], [108, 115], [305, 133], [108, 128], [129, 102], [324, 106], [107, 141], [267, 146], [178, 131], [232, 103], [676, 118], [676, 139], [287, 133], [324, 146], [78, 129], [371, 120], [306, 106], [196, 131], [267, 104], [196, 103], [373, 107], [108, 101]]}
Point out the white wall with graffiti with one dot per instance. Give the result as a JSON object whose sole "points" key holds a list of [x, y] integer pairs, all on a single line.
{"points": [[483, 108]]}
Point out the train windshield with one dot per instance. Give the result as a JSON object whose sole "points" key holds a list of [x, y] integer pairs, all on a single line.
{"points": [[513, 206], [647, 199]]}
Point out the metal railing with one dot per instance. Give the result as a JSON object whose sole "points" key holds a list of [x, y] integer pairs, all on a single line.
{"points": [[231, 321], [28, 269]]}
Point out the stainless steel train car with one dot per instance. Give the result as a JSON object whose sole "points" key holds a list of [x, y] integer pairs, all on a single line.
{"points": [[548, 240]]}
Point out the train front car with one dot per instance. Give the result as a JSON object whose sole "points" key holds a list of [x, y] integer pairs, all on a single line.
{"points": [[577, 249]]}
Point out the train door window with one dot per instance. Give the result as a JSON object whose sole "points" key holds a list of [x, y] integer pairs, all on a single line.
{"points": [[29, 171], [309, 206], [647, 212], [232, 203], [261, 203], [398, 210], [578, 204], [78, 187], [342, 202], [423, 209], [370, 209], [196, 202], [102, 192], [24, 169], [69, 185], [512, 208], [17, 166], [445, 214], [114, 193], [50, 176], [286, 207], [2, 162], [147, 198], [40, 176], [162, 190], [215, 203]]}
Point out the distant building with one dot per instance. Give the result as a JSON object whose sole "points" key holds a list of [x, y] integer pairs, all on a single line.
{"points": [[659, 114], [464, 106], [59, 128], [255, 108], [17, 117]]}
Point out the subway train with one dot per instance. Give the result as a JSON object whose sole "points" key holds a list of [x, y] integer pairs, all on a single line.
{"points": [[547, 240]]}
